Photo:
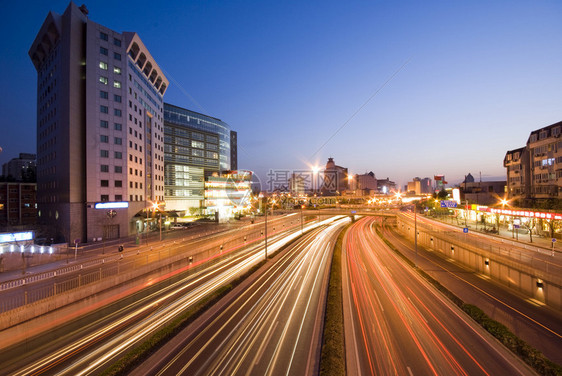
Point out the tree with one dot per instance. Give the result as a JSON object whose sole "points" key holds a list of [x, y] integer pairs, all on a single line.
{"points": [[442, 195]]}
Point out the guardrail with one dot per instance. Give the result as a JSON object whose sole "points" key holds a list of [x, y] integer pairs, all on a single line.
{"points": [[64, 280]]}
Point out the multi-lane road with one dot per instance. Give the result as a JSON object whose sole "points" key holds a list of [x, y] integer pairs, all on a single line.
{"points": [[395, 323], [273, 327], [531, 320]]}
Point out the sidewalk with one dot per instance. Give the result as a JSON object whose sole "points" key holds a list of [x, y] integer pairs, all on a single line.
{"points": [[96, 250], [521, 237]]}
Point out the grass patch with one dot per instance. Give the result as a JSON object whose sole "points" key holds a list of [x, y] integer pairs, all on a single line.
{"points": [[522, 349], [139, 354], [332, 359]]}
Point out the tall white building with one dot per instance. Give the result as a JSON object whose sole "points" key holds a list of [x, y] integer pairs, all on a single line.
{"points": [[99, 127]]}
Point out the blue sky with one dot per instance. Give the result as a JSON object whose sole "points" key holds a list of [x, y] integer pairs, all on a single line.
{"points": [[478, 78]]}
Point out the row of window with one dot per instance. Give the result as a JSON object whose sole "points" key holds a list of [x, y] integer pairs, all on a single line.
{"points": [[116, 140], [105, 36], [105, 198], [116, 126], [105, 51], [105, 110], [116, 84], [103, 65], [116, 183], [116, 154], [105, 95], [116, 169]]}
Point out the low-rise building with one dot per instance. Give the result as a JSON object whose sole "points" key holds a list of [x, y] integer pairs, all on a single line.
{"points": [[534, 172], [228, 194], [18, 204], [23, 168]]}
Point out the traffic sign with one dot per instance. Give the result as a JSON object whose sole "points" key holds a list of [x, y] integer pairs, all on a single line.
{"points": [[465, 230], [448, 204], [553, 240]]}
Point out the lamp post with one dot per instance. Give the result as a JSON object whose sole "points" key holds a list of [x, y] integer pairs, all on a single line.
{"points": [[155, 206], [416, 235], [302, 224], [265, 229]]}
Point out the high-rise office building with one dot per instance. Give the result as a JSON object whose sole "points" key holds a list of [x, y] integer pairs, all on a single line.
{"points": [[100, 136], [196, 146]]}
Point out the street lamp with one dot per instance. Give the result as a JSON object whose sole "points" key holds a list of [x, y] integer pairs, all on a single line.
{"points": [[315, 170], [155, 206]]}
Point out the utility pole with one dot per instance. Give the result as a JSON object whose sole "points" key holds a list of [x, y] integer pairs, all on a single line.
{"points": [[416, 234], [266, 229]]}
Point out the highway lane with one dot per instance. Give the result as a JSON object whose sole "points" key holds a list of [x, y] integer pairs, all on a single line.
{"points": [[539, 325], [395, 323], [273, 327], [91, 343]]}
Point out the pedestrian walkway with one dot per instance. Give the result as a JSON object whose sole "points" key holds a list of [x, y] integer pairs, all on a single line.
{"points": [[97, 250], [522, 236]]}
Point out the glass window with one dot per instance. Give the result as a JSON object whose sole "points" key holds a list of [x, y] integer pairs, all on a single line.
{"points": [[116, 70], [117, 42], [103, 80], [118, 183], [117, 126], [105, 183], [103, 36], [118, 169], [117, 98], [104, 153], [116, 56], [104, 197], [104, 168], [103, 51], [197, 144], [118, 197], [104, 109], [117, 112], [118, 140], [104, 124], [104, 94], [118, 155], [117, 84], [104, 138], [103, 65]]}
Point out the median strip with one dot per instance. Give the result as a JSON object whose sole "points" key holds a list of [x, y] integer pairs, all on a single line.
{"points": [[332, 359]]}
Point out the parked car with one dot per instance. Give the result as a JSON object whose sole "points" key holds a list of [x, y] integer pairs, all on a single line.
{"points": [[177, 227]]}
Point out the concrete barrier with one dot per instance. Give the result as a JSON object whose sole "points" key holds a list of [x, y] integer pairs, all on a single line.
{"points": [[522, 272]]}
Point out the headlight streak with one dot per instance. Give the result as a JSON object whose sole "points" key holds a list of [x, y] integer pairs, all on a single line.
{"points": [[60, 355], [257, 322], [144, 328], [440, 357], [263, 280], [321, 259]]}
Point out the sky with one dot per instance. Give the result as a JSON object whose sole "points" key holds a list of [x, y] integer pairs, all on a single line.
{"points": [[400, 88]]}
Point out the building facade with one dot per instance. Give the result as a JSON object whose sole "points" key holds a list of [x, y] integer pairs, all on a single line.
{"points": [[517, 165], [23, 168], [100, 135], [196, 146], [228, 194], [420, 186], [534, 172], [18, 204], [335, 179]]}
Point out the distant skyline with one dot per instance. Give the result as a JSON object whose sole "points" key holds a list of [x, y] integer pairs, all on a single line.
{"points": [[476, 78]]}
